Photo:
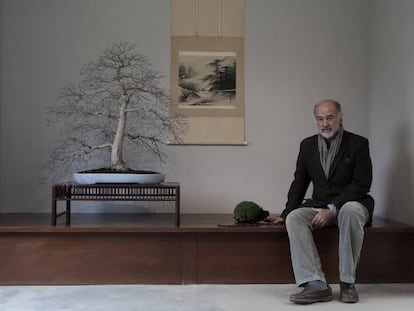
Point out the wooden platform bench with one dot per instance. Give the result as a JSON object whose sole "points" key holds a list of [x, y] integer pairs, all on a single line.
{"points": [[145, 249]]}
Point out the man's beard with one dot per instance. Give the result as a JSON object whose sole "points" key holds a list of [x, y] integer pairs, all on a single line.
{"points": [[329, 134]]}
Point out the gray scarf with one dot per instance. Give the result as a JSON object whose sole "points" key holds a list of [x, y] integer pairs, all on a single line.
{"points": [[327, 154]]}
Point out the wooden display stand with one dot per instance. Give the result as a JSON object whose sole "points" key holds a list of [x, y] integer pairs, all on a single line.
{"points": [[113, 192]]}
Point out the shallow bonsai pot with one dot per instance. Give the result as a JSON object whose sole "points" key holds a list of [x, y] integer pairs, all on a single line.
{"points": [[113, 178]]}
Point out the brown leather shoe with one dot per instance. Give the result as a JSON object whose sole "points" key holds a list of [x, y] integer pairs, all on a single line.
{"points": [[309, 295], [348, 293]]}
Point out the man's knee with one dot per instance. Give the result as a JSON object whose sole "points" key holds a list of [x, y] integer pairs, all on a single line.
{"points": [[297, 217], [349, 208], [291, 220], [353, 211]]}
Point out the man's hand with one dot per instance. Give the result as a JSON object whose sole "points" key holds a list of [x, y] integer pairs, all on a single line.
{"points": [[276, 220], [323, 218]]}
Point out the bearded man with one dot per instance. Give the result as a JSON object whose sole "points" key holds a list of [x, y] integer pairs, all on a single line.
{"points": [[338, 165]]}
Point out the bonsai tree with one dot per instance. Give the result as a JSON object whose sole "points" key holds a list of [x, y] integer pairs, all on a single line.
{"points": [[118, 105]]}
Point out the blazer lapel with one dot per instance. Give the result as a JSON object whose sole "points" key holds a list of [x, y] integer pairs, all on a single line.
{"points": [[340, 154], [316, 157]]}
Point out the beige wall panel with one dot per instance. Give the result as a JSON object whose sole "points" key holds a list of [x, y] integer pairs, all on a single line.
{"points": [[232, 20], [215, 131], [208, 18], [183, 18]]}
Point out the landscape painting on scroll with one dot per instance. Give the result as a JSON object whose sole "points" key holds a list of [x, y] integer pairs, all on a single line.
{"points": [[207, 79]]}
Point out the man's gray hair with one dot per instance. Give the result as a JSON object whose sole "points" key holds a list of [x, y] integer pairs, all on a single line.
{"points": [[336, 103]]}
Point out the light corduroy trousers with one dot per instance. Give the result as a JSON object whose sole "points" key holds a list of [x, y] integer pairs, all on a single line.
{"points": [[306, 263]]}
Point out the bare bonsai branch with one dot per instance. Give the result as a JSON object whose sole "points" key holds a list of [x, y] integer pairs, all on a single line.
{"points": [[118, 103]]}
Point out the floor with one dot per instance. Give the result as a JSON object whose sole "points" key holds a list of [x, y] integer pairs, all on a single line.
{"points": [[378, 297]]}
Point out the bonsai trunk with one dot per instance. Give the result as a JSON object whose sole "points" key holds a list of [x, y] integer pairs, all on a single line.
{"points": [[117, 162]]}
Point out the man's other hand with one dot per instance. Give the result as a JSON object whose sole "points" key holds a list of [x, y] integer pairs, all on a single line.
{"points": [[276, 220], [323, 218]]}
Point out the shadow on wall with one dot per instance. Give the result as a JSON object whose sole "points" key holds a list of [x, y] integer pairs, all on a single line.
{"points": [[399, 199]]}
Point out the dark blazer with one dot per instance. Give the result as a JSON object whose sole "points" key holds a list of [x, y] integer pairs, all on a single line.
{"points": [[349, 179]]}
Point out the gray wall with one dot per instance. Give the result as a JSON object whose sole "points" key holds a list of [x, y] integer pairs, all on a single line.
{"points": [[392, 107], [1, 94], [297, 52]]}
